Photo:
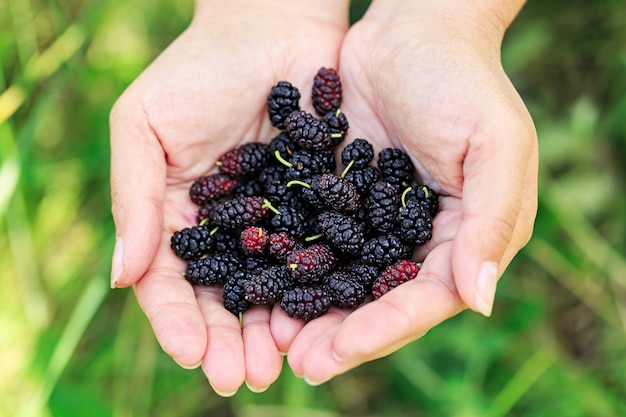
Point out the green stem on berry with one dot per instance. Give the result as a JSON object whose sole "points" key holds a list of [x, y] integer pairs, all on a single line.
{"points": [[425, 190], [336, 135], [297, 182], [346, 169], [281, 159], [203, 221], [293, 266], [408, 189], [214, 230], [219, 163], [338, 112], [314, 237], [267, 204]]}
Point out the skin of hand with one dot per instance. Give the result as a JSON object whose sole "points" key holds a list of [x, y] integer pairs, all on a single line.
{"points": [[205, 94], [428, 78]]}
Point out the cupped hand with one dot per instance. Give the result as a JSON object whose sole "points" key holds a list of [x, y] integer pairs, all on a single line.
{"points": [[431, 83], [205, 94]]}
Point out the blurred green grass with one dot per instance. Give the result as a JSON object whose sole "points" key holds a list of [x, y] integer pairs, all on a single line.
{"points": [[556, 344]]}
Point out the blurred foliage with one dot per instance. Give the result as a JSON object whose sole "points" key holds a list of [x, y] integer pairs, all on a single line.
{"points": [[556, 344]]}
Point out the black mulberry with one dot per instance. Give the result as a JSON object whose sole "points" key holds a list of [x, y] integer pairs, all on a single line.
{"points": [[308, 131], [282, 100], [396, 167], [192, 243], [305, 303]]}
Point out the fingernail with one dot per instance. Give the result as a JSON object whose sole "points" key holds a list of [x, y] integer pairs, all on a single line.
{"points": [[117, 261], [337, 357], [485, 289], [256, 390], [188, 367], [224, 394], [313, 383]]}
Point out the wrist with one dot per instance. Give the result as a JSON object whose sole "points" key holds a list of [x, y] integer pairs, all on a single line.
{"points": [[335, 12], [488, 18]]}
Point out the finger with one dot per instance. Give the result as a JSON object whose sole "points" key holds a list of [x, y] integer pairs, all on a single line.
{"points": [[138, 170], [284, 328], [169, 302], [308, 336], [223, 362], [495, 171], [384, 325], [263, 359]]}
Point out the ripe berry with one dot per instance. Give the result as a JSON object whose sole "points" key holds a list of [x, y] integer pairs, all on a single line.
{"points": [[290, 220], [359, 153], [383, 204], [235, 292], [282, 100], [256, 263], [384, 250], [344, 291], [338, 125], [211, 187], [226, 240], [214, 269], [192, 243], [396, 167], [308, 131], [326, 92], [240, 212], [340, 194], [306, 163], [249, 188], [363, 178], [416, 225], [245, 160], [308, 191], [363, 273], [268, 286], [284, 145], [342, 231], [280, 195], [306, 302], [310, 264], [394, 275], [204, 213], [426, 196]]}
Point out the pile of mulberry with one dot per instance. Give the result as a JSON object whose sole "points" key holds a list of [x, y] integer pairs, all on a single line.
{"points": [[301, 223]]}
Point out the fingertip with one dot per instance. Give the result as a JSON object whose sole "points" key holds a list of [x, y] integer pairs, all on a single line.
{"points": [[262, 358], [485, 288], [284, 329], [117, 262], [189, 367], [256, 390], [223, 393], [170, 306]]}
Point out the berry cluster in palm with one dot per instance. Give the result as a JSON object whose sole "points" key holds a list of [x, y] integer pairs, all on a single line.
{"points": [[289, 223]]}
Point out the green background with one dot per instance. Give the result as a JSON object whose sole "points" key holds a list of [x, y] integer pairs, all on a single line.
{"points": [[69, 346]]}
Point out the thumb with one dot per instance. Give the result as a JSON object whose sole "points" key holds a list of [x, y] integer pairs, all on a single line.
{"points": [[138, 170], [494, 225]]}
